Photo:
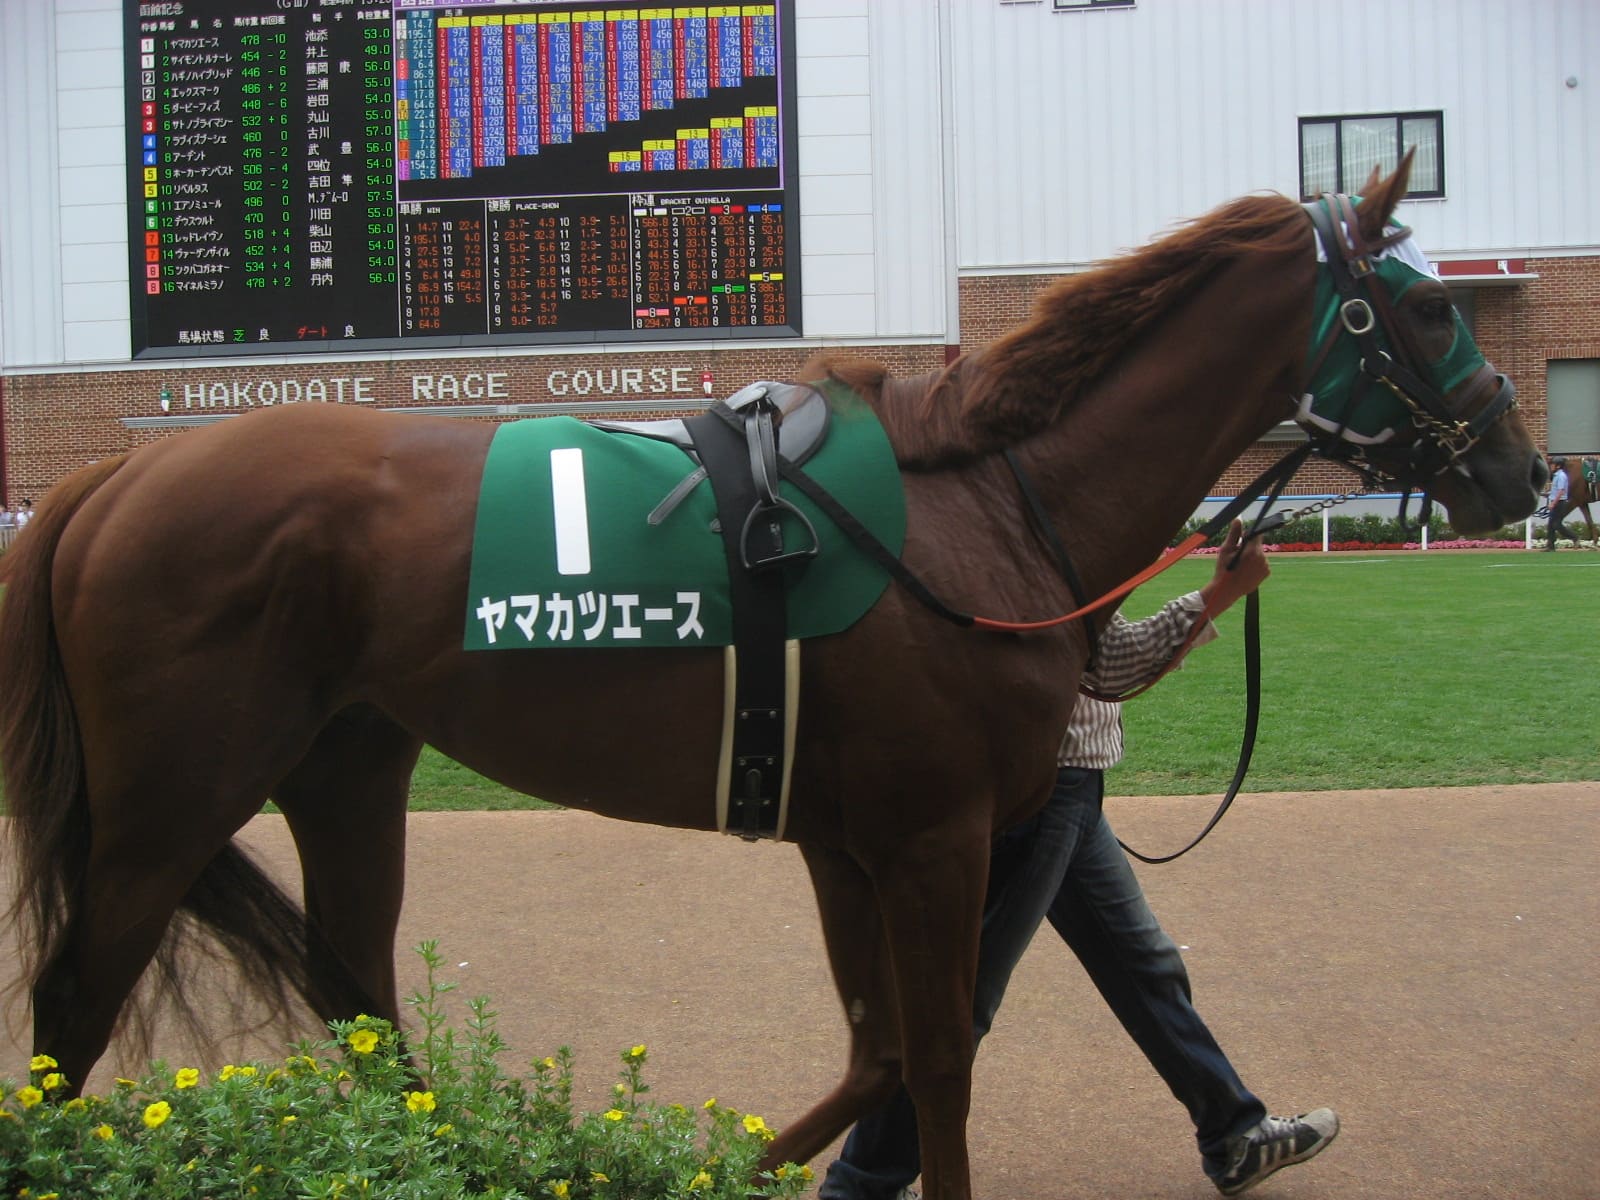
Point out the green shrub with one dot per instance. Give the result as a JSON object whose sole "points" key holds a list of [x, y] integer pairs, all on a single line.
{"points": [[361, 1115]]}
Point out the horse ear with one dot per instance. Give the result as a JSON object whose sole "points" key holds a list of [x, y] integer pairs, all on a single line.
{"points": [[1380, 196]]}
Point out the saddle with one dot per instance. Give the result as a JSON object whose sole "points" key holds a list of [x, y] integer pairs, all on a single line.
{"points": [[737, 444]]}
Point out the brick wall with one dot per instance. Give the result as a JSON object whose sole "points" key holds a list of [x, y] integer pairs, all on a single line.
{"points": [[55, 423]]}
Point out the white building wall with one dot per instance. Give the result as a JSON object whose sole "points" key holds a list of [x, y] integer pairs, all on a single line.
{"points": [[31, 327], [1081, 133], [972, 133]]}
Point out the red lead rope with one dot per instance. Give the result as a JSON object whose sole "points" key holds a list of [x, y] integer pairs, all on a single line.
{"points": [[1182, 550]]}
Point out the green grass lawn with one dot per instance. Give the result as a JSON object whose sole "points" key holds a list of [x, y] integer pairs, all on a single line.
{"points": [[444, 785], [1413, 670]]}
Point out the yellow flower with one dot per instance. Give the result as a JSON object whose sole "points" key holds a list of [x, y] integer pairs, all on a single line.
{"points": [[76, 1104], [711, 1103], [186, 1078], [289, 1120], [599, 1177], [42, 1062], [156, 1114], [803, 1172], [618, 1090], [637, 1051], [29, 1096], [700, 1182], [549, 1064], [420, 1102], [53, 1081], [754, 1124], [443, 1129], [363, 1041], [104, 1132], [559, 1189], [614, 1114], [126, 1083]]}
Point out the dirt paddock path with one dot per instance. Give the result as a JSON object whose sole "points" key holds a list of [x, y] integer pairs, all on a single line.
{"points": [[1424, 961]]}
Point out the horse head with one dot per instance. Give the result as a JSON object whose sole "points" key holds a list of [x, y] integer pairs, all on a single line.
{"points": [[1398, 387]]}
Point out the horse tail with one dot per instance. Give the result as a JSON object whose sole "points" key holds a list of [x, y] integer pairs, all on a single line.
{"points": [[242, 912], [41, 754]]}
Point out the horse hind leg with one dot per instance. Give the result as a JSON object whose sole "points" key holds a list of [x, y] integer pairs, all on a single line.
{"points": [[345, 804], [158, 843], [859, 960], [138, 876]]}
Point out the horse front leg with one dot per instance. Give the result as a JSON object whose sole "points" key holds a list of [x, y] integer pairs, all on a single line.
{"points": [[847, 905], [931, 896]]}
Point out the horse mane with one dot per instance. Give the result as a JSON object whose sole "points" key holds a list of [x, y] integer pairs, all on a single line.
{"points": [[1021, 383]]}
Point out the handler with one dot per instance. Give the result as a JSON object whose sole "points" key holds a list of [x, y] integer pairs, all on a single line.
{"points": [[1065, 863], [1561, 503]]}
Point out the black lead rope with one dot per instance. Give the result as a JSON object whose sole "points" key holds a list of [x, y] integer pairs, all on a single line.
{"points": [[1252, 716]]}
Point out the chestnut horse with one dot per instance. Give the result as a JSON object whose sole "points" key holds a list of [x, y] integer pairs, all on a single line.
{"points": [[273, 606], [1583, 493]]}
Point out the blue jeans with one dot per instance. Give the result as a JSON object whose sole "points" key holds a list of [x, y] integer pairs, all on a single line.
{"points": [[1065, 863]]}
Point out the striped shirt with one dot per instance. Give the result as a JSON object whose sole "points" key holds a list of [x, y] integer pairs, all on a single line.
{"points": [[1131, 653]]}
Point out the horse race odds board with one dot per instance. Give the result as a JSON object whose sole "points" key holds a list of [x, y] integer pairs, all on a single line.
{"points": [[333, 175]]}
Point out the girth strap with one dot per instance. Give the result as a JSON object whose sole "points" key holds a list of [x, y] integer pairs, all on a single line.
{"points": [[740, 454]]}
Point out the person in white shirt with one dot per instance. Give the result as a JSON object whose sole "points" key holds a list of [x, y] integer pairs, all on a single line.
{"points": [[1560, 505]]}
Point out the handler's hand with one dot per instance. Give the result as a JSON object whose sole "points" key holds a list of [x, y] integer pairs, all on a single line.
{"points": [[1239, 572]]}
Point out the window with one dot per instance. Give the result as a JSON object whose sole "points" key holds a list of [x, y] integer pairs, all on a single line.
{"points": [[1337, 154], [1573, 399]]}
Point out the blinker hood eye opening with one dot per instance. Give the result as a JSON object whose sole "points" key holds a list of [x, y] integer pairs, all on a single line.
{"points": [[1463, 359]]}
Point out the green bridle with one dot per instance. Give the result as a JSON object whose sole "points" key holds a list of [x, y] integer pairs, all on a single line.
{"points": [[1370, 401]]}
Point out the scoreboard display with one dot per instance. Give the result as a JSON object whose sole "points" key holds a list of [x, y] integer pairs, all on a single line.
{"points": [[317, 175]]}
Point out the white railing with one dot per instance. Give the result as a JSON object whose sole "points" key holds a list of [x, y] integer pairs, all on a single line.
{"points": [[1384, 503]]}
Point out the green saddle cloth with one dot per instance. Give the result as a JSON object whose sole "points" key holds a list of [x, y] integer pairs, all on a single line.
{"points": [[563, 555]]}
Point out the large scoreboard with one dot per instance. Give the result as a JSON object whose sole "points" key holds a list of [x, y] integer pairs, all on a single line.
{"points": [[334, 175]]}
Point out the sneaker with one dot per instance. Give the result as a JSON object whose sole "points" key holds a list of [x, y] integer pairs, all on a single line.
{"points": [[1276, 1142]]}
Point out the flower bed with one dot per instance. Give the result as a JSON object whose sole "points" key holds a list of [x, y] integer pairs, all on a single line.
{"points": [[360, 1115]]}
